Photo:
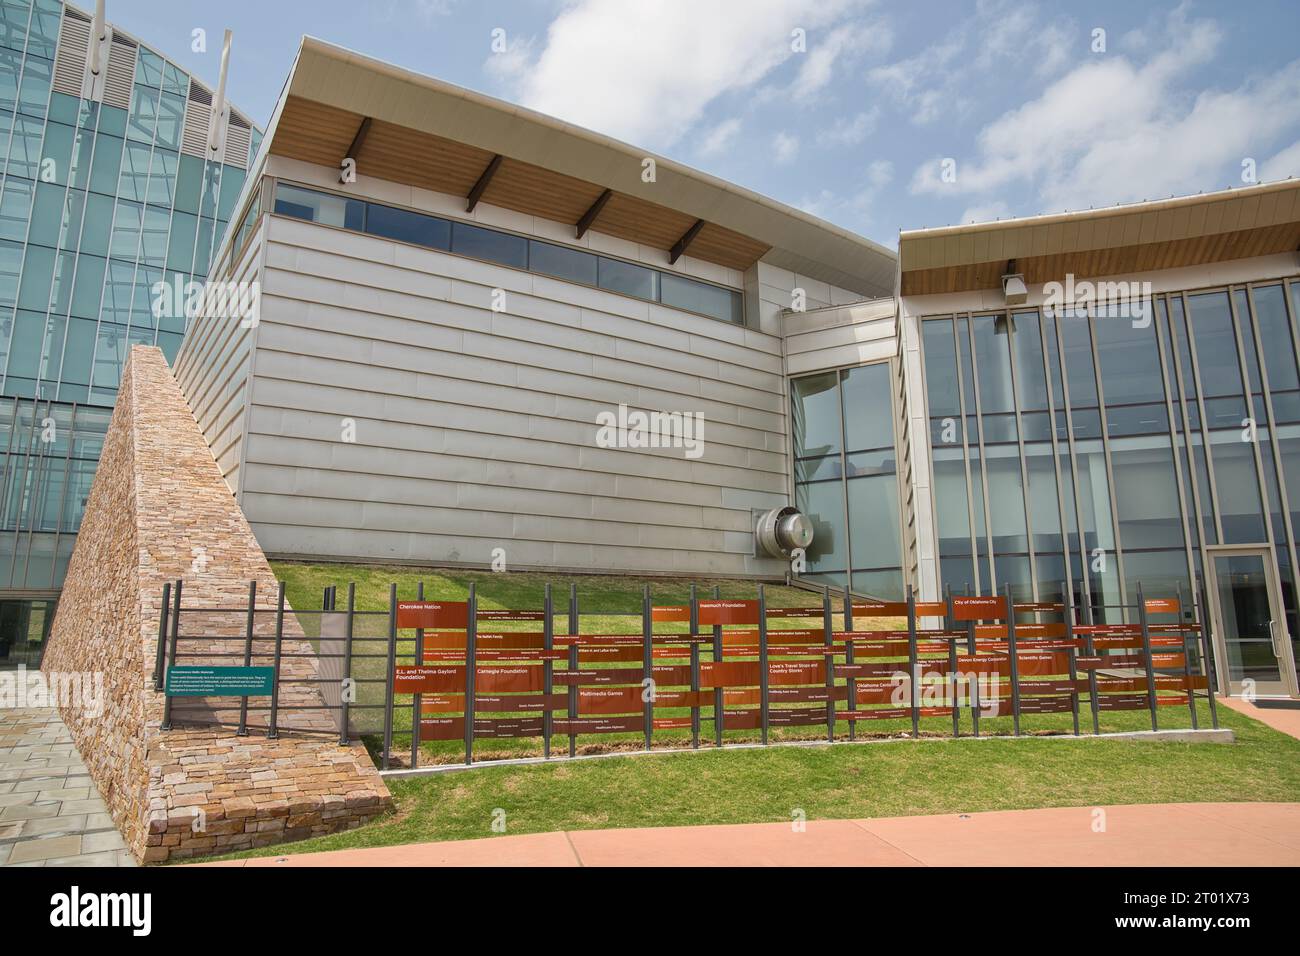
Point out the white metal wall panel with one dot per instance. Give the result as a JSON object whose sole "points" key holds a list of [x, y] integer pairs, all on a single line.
{"points": [[476, 429]]}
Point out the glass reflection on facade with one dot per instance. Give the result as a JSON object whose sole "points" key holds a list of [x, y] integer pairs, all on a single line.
{"points": [[1077, 455], [846, 478]]}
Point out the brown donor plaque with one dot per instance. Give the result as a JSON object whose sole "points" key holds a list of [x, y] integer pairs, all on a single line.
{"points": [[442, 728], [728, 612], [598, 725], [609, 700], [880, 608], [442, 704], [793, 673], [668, 613], [979, 608], [729, 674], [1162, 606], [432, 614], [523, 679], [428, 679]]}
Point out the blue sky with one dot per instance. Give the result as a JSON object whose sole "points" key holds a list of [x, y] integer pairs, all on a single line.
{"points": [[855, 126]]}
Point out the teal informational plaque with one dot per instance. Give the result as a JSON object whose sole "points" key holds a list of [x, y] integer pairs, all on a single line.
{"points": [[220, 681]]}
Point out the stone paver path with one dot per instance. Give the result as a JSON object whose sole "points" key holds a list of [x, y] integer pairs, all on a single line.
{"points": [[50, 812]]}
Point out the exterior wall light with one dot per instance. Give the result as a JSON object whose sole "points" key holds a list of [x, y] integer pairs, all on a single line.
{"points": [[1014, 290]]}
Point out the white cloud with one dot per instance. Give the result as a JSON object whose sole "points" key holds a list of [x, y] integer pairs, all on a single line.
{"points": [[935, 82], [850, 130], [986, 212], [720, 137], [1073, 146], [512, 62], [842, 44], [1283, 165], [432, 9], [858, 207], [880, 172], [785, 148], [660, 64]]}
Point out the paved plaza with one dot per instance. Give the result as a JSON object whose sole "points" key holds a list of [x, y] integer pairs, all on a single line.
{"points": [[50, 811]]}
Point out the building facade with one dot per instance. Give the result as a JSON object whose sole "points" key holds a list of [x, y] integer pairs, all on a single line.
{"points": [[1131, 420], [108, 185], [438, 340], [467, 313]]}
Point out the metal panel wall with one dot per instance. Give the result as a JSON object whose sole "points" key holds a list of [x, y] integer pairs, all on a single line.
{"points": [[395, 416]]}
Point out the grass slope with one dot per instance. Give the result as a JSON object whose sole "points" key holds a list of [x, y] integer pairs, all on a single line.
{"points": [[852, 781], [746, 786]]}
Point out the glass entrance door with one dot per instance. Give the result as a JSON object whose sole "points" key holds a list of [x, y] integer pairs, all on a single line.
{"points": [[1252, 640]]}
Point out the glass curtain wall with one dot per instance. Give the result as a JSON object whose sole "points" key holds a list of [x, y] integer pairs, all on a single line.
{"points": [[1077, 455], [48, 455], [846, 478], [97, 204]]}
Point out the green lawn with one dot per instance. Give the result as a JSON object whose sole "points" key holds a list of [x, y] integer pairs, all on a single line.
{"points": [[741, 786], [854, 781]]}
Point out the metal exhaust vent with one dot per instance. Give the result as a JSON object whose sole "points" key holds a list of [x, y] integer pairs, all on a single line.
{"points": [[782, 531]]}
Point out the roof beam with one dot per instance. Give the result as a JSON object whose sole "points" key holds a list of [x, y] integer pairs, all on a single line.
{"points": [[476, 193], [357, 142], [685, 241], [590, 215]]}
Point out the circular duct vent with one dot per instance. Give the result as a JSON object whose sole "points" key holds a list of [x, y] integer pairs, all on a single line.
{"points": [[782, 531]]}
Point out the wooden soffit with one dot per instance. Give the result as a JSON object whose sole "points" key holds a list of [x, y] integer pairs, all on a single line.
{"points": [[317, 133], [1170, 234]]}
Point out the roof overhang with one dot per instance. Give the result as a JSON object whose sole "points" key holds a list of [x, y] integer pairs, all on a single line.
{"points": [[423, 132], [1143, 237]]}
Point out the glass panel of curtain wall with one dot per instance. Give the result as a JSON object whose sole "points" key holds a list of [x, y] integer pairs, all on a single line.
{"points": [[1232, 455], [872, 484]]}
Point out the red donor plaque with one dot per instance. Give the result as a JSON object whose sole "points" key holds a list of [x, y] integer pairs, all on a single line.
{"points": [[978, 608], [432, 614], [1162, 605], [728, 612]]}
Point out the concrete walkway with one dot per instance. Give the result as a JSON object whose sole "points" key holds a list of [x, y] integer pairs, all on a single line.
{"points": [[1180, 834], [1285, 719], [50, 812]]}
